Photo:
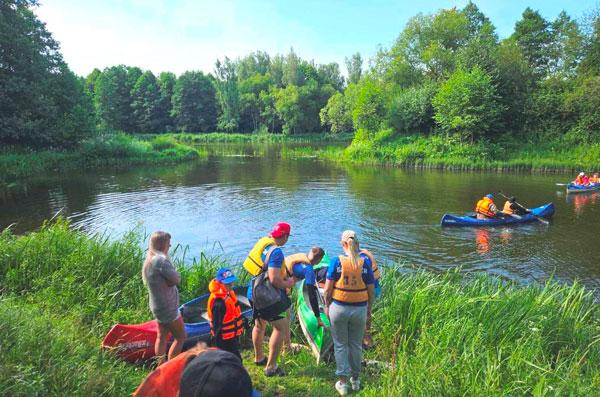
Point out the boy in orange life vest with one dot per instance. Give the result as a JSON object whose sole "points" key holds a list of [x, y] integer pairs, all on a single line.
{"points": [[486, 208], [226, 322]]}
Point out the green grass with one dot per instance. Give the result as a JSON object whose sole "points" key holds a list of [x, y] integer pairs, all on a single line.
{"points": [[106, 150], [445, 333], [447, 153]]}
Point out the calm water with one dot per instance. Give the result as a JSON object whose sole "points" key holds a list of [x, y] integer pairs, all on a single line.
{"points": [[224, 204]]}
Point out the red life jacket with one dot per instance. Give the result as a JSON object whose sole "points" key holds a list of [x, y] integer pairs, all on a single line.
{"points": [[233, 325], [484, 207]]}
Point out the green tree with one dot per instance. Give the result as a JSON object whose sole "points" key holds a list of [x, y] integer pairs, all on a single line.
{"points": [[146, 103], [337, 114], [590, 64], [194, 103], [228, 94], [258, 62], [166, 84], [567, 45], [467, 105], [410, 110], [330, 74], [42, 103], [368, 112], [534, 36], [251, 106], [113, 97], [354, 67]]}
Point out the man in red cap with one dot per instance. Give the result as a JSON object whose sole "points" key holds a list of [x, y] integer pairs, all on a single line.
{"points": [[272, 261]]}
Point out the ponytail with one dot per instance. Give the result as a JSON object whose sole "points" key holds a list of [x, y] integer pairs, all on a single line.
{"points": [[349, 237]]}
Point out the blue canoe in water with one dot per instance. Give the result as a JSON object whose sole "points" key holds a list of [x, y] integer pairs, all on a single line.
{"points": [[545, 211], [573, 188]]}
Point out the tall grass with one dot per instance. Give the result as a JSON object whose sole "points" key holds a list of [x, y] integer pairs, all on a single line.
{"points": [[104, 150], [447, 153], [444, 334]]}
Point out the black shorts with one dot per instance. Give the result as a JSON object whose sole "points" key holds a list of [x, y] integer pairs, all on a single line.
{"points": [[269, 315]]}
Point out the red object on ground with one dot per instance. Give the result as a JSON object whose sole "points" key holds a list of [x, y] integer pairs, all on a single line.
{"points": [[133, 342]]}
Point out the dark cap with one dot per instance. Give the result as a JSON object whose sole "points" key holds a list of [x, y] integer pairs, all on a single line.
{"points": [[215, 373]]}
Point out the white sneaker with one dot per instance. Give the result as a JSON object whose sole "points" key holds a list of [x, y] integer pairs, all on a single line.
{"points": [[355, 383], [341, 388]]}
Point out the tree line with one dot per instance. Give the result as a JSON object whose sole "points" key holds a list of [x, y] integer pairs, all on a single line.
{"points": [[447, 72]]}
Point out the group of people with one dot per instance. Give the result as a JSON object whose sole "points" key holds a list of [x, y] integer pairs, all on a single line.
{"points": [[351, 284], [584, 180], [486, 208]]}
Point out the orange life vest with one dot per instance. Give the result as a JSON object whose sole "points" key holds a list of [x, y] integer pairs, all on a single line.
{"points": [[484, 207], [233, 324], [164, 380], [594, 179], [507, 209], [350, 288], [288, 269], [376, 271]]}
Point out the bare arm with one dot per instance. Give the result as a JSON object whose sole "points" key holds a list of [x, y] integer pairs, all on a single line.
{"points": [[371, 294], [328, 292], [277, 281]]}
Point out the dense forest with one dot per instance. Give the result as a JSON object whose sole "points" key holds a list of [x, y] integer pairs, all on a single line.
{"points": [[447, 73]]}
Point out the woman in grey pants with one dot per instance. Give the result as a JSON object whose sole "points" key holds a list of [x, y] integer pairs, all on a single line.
{"points": [[348, 290]]}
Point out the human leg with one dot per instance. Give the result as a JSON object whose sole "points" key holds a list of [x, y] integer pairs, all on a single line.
{"points": [[177, 328], [356, 328], [280, 328], [339, 332], [258, 337]]}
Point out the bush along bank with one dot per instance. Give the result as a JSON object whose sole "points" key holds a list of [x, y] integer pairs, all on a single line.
{"points": [[440, 152], [105, 150], [441, 334]]}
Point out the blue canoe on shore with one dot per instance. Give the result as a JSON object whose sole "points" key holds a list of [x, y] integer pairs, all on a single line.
{"points": [[573, 188], [545, 211]]}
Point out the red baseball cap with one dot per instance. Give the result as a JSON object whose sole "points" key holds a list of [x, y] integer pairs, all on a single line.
{"points": [[281, 229]]}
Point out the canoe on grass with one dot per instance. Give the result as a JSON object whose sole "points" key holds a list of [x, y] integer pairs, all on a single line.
{"points": [[573, 188], [135, 342], [319, 338], [545, 211]]}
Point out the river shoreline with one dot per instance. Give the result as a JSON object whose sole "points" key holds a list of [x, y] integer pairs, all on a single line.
{"points": [[62, 290]]}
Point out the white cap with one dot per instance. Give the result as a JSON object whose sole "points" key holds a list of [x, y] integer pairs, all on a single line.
{"points": [[581, 173]]}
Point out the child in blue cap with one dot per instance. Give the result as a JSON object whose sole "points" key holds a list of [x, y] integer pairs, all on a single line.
{"points": [[224, 313]]}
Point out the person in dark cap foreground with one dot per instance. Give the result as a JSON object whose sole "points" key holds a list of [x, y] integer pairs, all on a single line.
{"points": [[201, 371]]}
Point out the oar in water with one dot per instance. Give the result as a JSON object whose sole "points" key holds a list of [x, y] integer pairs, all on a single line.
{"points": [[542, 220], [562, 184]]}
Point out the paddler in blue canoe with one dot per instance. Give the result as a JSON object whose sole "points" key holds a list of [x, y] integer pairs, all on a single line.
{"points": [[486, 209]]}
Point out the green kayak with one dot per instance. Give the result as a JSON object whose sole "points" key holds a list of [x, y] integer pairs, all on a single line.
{"points": [[319, 338]]}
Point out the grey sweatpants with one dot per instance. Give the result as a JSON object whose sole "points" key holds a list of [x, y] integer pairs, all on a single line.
{"points": [[347, 329]]}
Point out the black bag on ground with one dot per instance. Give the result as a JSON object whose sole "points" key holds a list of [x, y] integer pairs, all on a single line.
{"points": [[266, 298]]}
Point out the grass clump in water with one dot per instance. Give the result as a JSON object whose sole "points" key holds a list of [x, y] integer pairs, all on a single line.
{"points": [[104, 150]]}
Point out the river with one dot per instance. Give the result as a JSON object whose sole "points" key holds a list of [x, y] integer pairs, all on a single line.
{"points": [[223, 204]]}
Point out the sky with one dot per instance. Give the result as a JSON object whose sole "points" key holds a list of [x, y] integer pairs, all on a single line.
{"points": [[180, 35]]}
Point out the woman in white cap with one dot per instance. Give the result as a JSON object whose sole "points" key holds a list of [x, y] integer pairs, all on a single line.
{"points": [[348, 290]]}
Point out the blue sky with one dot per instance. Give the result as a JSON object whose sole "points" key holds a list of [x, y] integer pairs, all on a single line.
{"points": [[179, 35]]}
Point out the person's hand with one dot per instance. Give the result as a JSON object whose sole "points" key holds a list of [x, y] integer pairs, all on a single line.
{"points": [[320, 322], [327, 312], [290, 282]]}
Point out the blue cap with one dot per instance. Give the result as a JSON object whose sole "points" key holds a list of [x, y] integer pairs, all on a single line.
{"points": [[490, 196], [225, 276]]}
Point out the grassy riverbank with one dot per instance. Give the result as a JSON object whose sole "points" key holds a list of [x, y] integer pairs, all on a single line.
{"points": [[446, 334], [106, 150], [445, 153]]}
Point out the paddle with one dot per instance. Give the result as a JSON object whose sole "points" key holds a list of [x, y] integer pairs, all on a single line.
{"points": [[542, 220], [562, 184]]}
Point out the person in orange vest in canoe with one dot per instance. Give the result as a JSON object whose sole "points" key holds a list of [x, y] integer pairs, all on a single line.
{"points": [[486, 209], [582, 179], [224, 313], [512, 207], [594, 178]]}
